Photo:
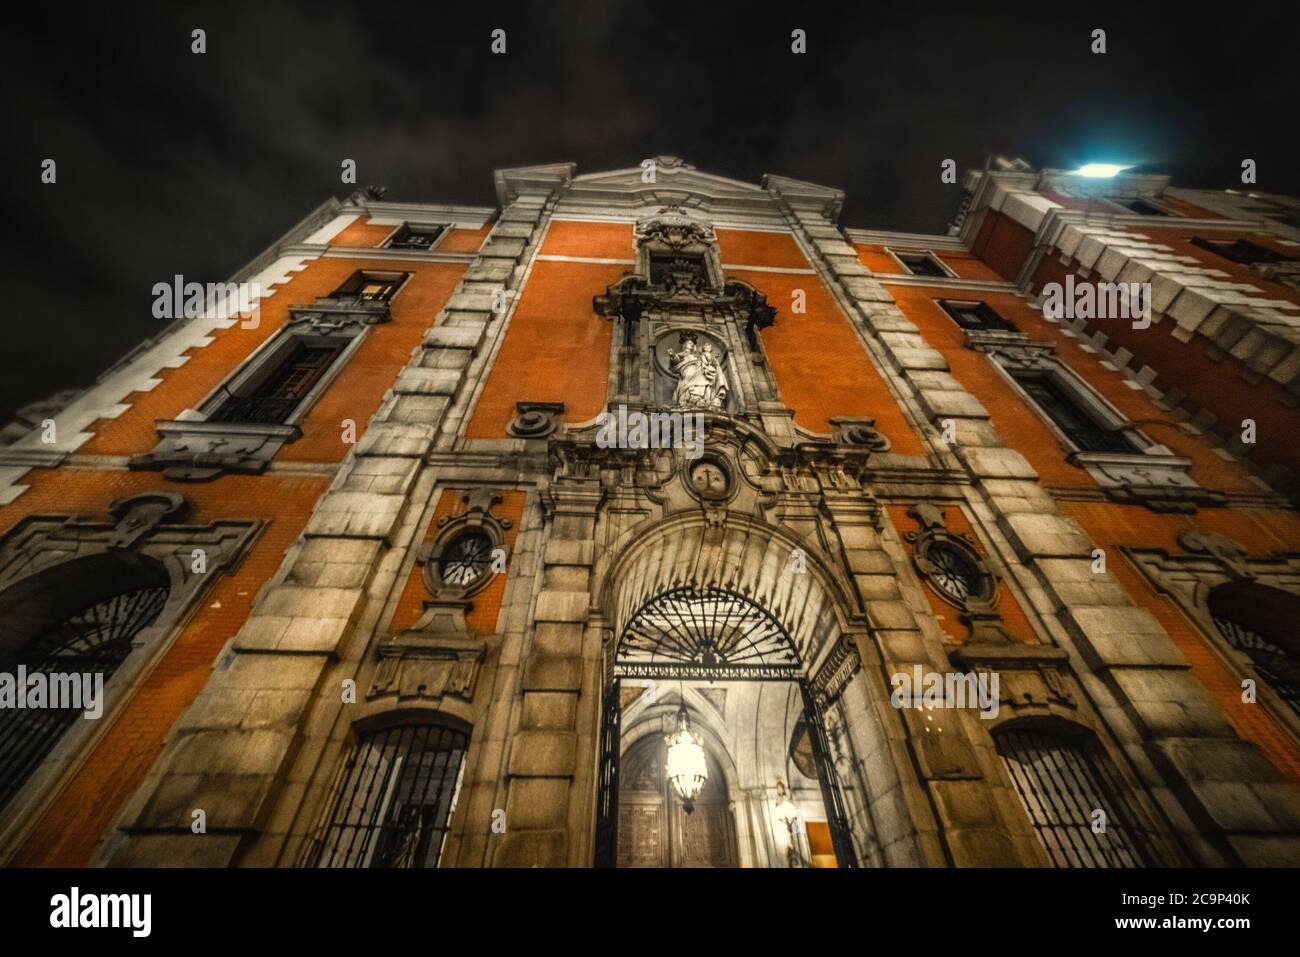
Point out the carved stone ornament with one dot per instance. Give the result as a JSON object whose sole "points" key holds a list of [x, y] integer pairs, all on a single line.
{"points": [[195, 450], [860, 433], [956, 571], [709, 478], [1226, 551], [1013, 350], [428, 665], [674, 228], [463, 557], [139, 515], [837, 671], [1160, 482], [535, 420]]}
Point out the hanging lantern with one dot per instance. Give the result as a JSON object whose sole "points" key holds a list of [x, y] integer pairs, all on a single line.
{"points": [[686, 768]]}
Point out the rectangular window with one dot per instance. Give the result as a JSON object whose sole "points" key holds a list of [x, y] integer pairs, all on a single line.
{"points": [[370, 286], [1067, 411], [1241, 251], [415, 236], [921, 263], [276, 391], [977, 316]]}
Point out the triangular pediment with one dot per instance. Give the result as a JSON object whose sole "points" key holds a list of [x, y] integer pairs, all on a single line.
{"points": [[670, 173]]}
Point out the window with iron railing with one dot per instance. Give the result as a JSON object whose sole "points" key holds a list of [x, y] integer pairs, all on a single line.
{"points": [[1067, 413], [88, 619], [282, 388]]}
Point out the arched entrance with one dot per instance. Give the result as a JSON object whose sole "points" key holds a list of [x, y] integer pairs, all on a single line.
{"points": [[713, 638]]}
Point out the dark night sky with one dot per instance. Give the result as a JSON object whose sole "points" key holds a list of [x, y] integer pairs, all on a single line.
{"points": [[174, 163]]}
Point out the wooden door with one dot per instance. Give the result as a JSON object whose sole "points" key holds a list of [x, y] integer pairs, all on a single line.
{"points": [[653, 828]]}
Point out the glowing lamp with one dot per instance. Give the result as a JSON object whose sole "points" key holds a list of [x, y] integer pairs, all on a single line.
{"points": [[687, 771], [1099, 170]]}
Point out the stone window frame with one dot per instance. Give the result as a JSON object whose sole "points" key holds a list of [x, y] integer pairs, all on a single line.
{"points": [[192, 447], [359, 276], [930, 254], [270, 356], [151, 524], [1085, 399], [1186, 579]]}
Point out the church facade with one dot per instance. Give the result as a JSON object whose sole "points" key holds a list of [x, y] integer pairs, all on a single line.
{"points": [[657, 519]]}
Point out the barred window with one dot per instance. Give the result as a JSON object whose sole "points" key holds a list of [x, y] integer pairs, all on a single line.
{"points": [[72, 619], [1062, 784], [394, 799], [1068, 413], [277, 391]]}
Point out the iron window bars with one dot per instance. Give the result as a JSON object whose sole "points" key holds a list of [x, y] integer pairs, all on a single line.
{"points": [[393, 799], [1062, 783], [93, 639]]}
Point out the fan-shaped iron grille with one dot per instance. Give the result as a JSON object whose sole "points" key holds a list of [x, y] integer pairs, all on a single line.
{"points": [[705, 632], [1279, 669], [94, 639]]}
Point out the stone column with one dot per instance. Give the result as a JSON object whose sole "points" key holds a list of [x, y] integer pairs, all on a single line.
{"points": [[548, 814]]}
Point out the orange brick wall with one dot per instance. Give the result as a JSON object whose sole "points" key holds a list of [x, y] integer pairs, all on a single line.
{"points": [[460, 240], [482, 618], [820, 366], [1003, 244], [1261, 532], [67, 833], [362, 233]]}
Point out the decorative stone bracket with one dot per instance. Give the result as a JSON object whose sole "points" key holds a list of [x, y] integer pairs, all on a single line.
{"points": [[1160, 482], [428, 666], [1031, 678], [195, 450], [535, 420]]}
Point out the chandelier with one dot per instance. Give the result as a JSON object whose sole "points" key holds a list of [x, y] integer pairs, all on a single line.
{"points": [[686, 768]]}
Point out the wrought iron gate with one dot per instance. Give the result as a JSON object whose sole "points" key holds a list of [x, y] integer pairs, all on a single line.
{"points": [[606, 844], [607, 778], [832, 797]]}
